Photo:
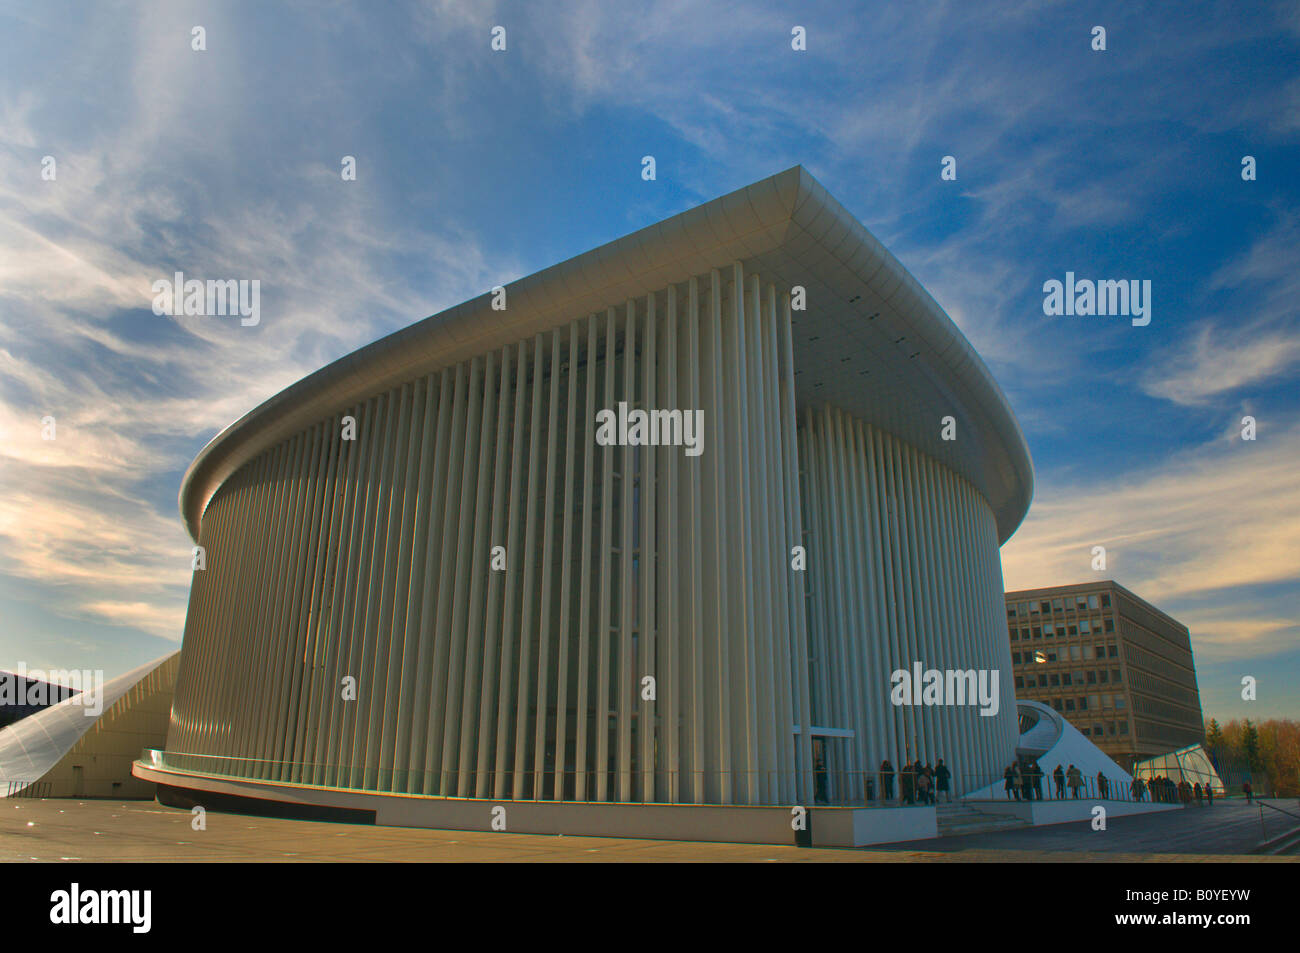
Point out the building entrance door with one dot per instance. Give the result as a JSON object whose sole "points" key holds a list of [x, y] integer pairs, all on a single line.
{"points": [[821, 786]]}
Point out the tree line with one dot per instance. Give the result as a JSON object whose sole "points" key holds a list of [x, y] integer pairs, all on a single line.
{"points": [[1269, 749]]}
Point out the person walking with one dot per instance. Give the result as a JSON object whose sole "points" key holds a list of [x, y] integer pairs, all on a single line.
{"points": [[1058, 776], [887, 779], [1209, 794], [1247, 790], [1011, 781], [1074, 778], [1103, 786], [941, 778], [1196, 789]]}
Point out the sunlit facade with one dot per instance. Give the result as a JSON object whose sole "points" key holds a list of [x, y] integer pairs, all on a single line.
{"points": [[424, 575]]}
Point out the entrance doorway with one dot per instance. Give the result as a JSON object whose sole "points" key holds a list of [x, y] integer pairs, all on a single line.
{"points": [[821, 785]]}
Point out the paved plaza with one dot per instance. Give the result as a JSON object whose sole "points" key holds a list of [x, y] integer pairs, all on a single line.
{"points": [[1229, 827], [57, 830]]}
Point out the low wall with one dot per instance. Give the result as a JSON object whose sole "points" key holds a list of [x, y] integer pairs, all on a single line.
{"points": [[830, 826], [1067, 811]]}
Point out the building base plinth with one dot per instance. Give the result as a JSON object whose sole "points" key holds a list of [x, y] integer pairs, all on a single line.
{"points": [[1039, 813], [828, 826]]}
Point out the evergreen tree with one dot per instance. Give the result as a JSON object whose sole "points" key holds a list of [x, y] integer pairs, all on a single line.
{"points": [[1250, 745], [1214, 735]]}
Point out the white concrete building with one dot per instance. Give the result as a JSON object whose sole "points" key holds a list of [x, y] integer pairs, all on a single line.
{"points": [[529, 615]]}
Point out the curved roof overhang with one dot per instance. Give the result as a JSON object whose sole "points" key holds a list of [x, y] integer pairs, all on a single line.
{"points": [[872, 340]]}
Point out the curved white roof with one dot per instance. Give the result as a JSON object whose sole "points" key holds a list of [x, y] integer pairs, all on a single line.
{"points": [[872, 340], [31, 746], [1053, 740]]}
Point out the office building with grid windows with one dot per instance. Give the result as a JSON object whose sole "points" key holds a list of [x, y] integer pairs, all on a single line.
{"points": [[1118, 669]]}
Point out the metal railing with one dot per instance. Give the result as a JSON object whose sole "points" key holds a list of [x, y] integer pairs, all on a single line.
{"points": [[31, 789], [838, 788], [1263, 828], [1099, 787]]}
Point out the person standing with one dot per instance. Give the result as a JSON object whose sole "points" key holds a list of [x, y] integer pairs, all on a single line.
{"points": [[1247, 790], [1209, 794], [1074, 778], [908, 783], [1011, 781], [941, 778], [887, 779], [1037, 769], [1058, 776]]}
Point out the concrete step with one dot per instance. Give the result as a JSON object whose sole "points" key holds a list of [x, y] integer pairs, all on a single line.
{"points": [[973, 825], [956, 819], [1284, 844]]}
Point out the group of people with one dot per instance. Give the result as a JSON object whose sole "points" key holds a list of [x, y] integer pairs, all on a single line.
{"points": [[922, 783], [1024, 781], [1165, 791], [919, 783]]}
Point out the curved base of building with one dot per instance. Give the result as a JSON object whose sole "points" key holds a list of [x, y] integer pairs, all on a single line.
{"points": [[825, 827]]}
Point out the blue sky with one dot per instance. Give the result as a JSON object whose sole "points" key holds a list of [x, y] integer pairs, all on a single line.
{"points": [[478, 167]]}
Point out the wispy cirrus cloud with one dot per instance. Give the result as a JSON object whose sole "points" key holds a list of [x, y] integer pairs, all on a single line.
{"points": [[1252, 345], [91, 513], [1223, 359]]}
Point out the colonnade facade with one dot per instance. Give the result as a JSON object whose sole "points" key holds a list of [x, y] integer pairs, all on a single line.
{"points": [[452, 588]]}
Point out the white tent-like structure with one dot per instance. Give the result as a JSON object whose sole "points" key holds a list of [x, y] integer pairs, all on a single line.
{"points": [[1046, 736], [67, 751]]}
